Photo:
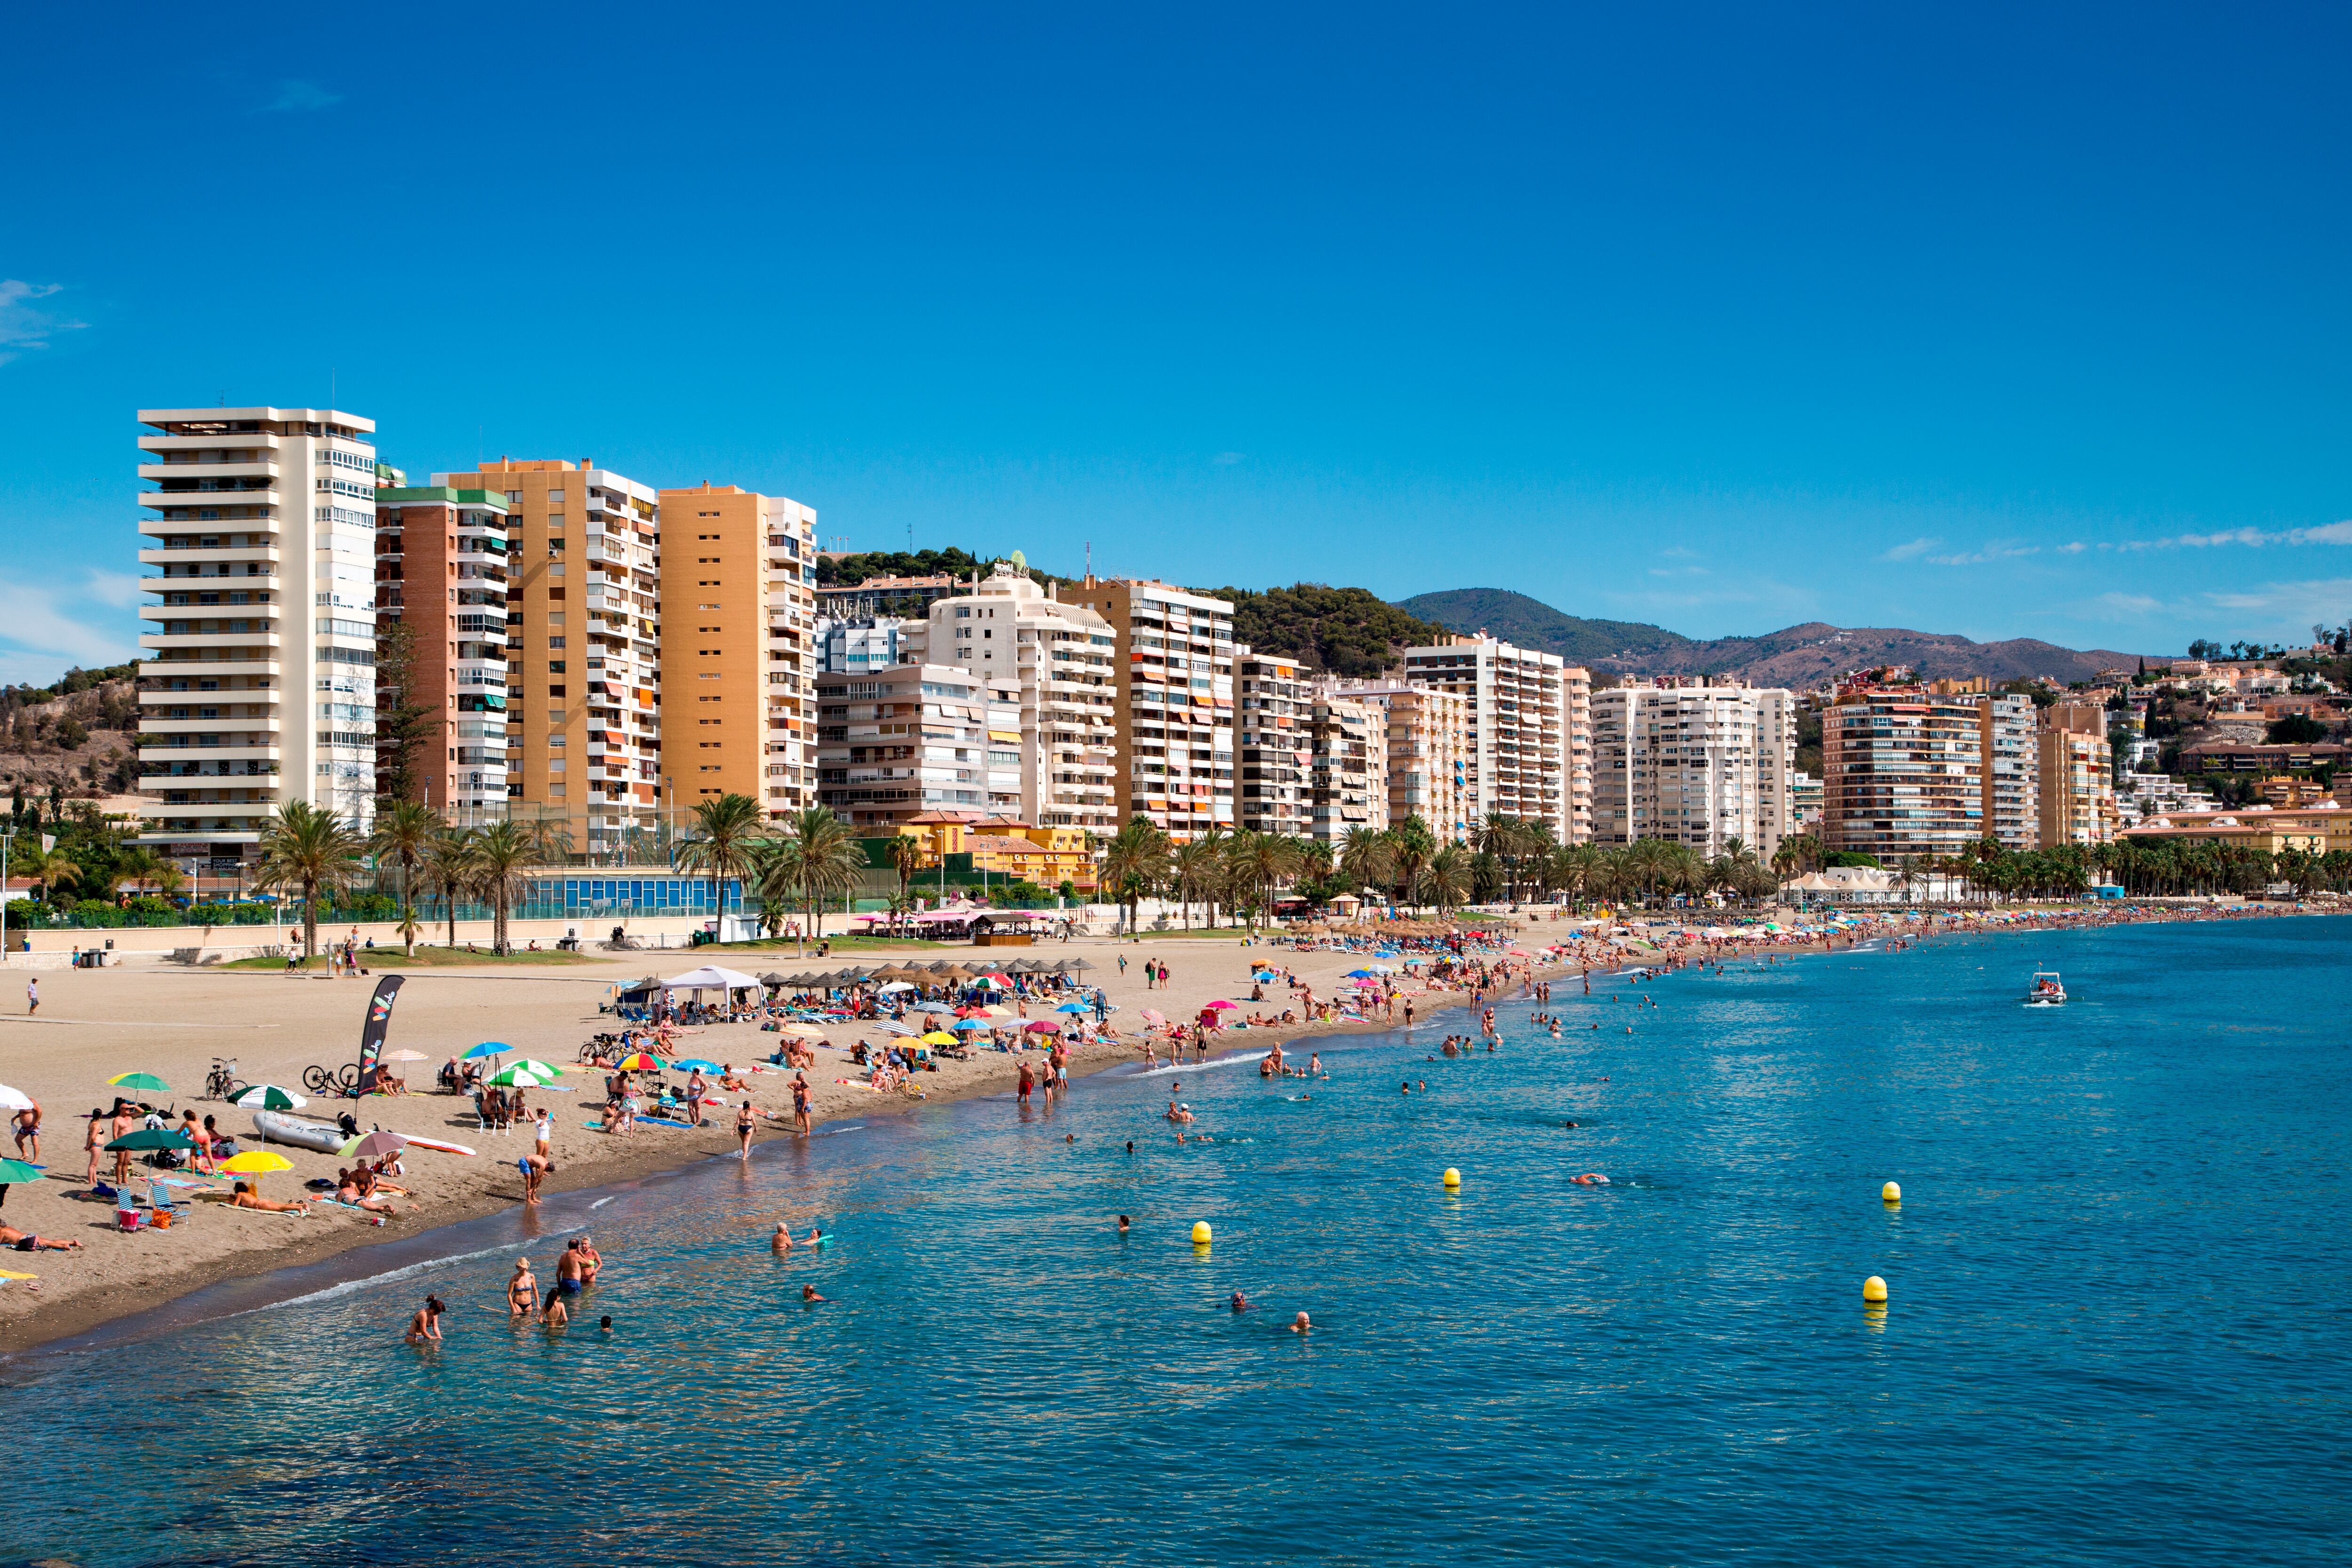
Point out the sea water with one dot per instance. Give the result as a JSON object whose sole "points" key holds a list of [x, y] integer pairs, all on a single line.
{"points": [[2118, 1329]]}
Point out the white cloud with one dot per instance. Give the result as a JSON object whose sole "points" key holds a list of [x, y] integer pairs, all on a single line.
{"points": [[2125, 606], [2297, 604], [41, 637], [2077, 547], [295, 97], [1916, 546], [120, 588], [21, 325], [1992, 551], [2326, 534]]}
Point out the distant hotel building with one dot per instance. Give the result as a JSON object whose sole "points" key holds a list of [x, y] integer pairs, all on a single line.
{"points": [[1913, 771], [1530, 729], [1694, 763], [584, 618], [739, 648], [1347, 784], [258, 683], [1274, 740], [2077, 778], [1174, 660], [1055, 663], [912, 741], [907, 596], [855, 645], [1429, 756], [441, 574]]}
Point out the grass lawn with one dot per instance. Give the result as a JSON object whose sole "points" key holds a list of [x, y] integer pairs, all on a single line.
{"points": [[425, 958]]}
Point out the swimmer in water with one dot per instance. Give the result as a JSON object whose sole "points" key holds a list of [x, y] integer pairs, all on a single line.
{"points": [[1406, 1088], [1240, 1302], [604, 1325], [783, 1239], [1593, 1178], [1123, 1223], [1299, 1324], [809, 1296]]}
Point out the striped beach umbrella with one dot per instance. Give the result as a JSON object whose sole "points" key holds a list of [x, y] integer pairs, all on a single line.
{"points": [[269, 1097]]}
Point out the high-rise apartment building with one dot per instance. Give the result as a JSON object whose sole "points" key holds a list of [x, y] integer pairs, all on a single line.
{"points": [[1530, 728], [1273, 706], [1347, 780], [1901, 773], [2012, 786], [441, 580], [1174, 658], [1687, 761], [1429, 755], [856, 644], [258, 684], [739, 647], [2076, 777], [1057, 662], [584, 644], [914, 740]]}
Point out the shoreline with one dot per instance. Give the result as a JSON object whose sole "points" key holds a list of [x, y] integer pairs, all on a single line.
{"points": [[81, 1319]]}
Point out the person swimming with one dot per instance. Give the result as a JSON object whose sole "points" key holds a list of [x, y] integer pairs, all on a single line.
{"points": [[809, 1296], [1123, 1223], [1300, 1325], [1593, 1178], [1240, 1302]]}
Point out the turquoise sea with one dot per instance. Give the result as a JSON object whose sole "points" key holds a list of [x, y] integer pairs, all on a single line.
{"points": [[2118, 1333]]}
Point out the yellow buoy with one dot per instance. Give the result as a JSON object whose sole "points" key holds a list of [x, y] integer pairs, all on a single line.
{"points": [[1891, 1192], [1874, 1289], [1200, 1233], [1452, 1177]]}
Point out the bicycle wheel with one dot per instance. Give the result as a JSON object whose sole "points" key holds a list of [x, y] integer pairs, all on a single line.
{"points": [[317, 1080], [236, 1086]]}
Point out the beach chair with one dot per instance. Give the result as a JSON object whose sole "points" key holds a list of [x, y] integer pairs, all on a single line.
{"points": [[161, 1209]]}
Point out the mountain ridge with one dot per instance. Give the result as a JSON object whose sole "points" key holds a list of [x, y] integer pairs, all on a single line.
{"points": [[1799, 656]]}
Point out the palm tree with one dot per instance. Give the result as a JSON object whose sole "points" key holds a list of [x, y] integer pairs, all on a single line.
{"points": [[47, 868], [550, 840], [1195, 870], [449, 866], [1365, 858], [1446, 881], [725, 829], [1646, 864], [816, 856], [1133, 861], [1258, 863], [310, 848], [907, 859], [404, 830], [502, 853], [1411, 845]]}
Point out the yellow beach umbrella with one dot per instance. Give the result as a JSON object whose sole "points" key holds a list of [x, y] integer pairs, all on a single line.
{"points": [[257, 1163], [938, 1037]]}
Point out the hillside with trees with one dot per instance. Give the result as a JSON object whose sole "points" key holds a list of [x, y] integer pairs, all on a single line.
{"points": [[74, 738], [1347, 632]]}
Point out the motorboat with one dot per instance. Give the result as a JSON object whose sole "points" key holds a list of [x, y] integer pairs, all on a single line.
{"points": [[2046, 991]]}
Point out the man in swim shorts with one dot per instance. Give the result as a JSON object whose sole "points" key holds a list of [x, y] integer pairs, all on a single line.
{"points": [[26, 1241], [571, 1273]]}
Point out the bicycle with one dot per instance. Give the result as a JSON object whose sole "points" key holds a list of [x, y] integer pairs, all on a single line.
{"points": [[222, 1082], [343, 1083]]}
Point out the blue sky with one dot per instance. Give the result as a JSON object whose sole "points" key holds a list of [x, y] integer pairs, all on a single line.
{"points": [[2007, 323]]}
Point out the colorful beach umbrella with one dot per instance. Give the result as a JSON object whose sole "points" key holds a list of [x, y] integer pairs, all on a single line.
{"points": [[1152, 1015], [269, 1097], [695, 1064], [14, 1171], [372, 1145], [521, 1076], [257, 1162], [1081, 1007], [938, 1037], [1040, 1026], [967, 1025], [147, 1081], [1220, 1006], [642, 1062], [488, 1048]]}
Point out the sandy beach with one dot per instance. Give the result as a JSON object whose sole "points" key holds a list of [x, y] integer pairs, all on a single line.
{"points": [[172, 1020]]}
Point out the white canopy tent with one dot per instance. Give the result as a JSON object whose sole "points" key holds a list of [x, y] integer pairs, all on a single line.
{"points": [[711, 978]]}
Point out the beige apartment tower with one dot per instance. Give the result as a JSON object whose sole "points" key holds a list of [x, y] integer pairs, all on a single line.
{"points": [[739, 625], [1174, 660], [1055, 663], [584, 644]]}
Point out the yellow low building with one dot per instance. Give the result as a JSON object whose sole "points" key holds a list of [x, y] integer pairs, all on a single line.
{"points": [[2316, 829], [1006, 847]]}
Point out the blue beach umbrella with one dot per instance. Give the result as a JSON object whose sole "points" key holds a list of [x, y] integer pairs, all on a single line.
{"points": [[967, 1025], [1072, 1008], [1360, 974], [695, 1064], [488, 1048]]}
